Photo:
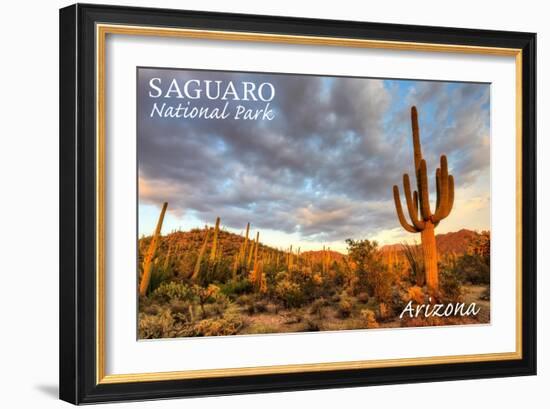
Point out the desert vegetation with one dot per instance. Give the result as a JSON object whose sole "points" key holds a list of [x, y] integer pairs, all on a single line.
{"points": [[209, 281]]}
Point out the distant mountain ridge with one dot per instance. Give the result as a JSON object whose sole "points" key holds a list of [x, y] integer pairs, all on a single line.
{"points": [[453, 242]]}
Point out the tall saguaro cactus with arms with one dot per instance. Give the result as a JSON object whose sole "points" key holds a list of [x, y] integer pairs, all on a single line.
{"points": [[423, 221]]}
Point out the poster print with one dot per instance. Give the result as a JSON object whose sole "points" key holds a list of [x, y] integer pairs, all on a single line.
{"points": [[284, 203]]}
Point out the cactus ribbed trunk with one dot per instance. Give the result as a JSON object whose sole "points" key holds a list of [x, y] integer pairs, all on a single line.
{"points": [[197, 268], [430, 258], [250, 254], [213, 250], [245, 246], [148, 262]]}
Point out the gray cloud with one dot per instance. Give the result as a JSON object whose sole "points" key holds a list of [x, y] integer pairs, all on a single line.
{"points": [[323, 168]]}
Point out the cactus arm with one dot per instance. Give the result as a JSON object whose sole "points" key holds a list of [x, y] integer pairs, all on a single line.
{"points": [[416, 139], [415, 200], [437, 187], [400, 214], [443, 196], [424, 191], [450, 198], [413, 212]]}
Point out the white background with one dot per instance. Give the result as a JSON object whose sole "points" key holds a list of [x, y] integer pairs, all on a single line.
{"points": [[29, 205]]}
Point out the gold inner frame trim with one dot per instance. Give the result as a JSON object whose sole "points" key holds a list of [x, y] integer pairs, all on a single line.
{"points": [[101, 33]]}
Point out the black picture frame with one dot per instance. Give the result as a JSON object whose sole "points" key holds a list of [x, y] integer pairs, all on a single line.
{"points": [[78, 258]]}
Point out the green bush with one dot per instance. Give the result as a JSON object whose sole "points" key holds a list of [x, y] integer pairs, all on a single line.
{"points": [[369, 318], [450, 286], [473, 268], [233, 289], [345, 307], [170, 291], [156, 326], [229, 325], [158, 277], [290, 293], [318, 307]]}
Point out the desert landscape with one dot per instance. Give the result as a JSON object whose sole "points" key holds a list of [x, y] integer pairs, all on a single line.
{"points": [[209, 282], [319, 218]]}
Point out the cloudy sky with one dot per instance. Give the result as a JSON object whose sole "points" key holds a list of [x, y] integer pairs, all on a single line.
{"points": [[323, 169]]}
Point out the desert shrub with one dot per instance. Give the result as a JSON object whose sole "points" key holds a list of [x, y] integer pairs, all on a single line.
{"points": [[415, 294], [317, 307], [169, 291], [290, 293], [345, 307], [415, 260], [254, 307], [218, 303], [384, 311], [233, 289], [204, 295], [150, 309], [183, 312], [369, 318], [372, 274], [362, 255], [363, 297], [450, 286], [156, 326], [244, 299], [381, 282], [219, 270], [311, 326], [184, 264], [179, 307], [473, 268], [158, 277], [260, 306], [229, 325], [480, 245], [308, 282]]}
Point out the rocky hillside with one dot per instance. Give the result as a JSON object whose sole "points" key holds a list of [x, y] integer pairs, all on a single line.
{"points": [[456, 242]]}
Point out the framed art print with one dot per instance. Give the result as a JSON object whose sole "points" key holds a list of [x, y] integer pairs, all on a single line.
{"points": [[256, 203]]}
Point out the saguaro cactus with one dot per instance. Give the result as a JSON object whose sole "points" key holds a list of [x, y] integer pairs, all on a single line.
{"points": [[213, 250], [251, 253], [151, 252], [257, 275], [197, 268], [240, 258], [418, 205]]}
